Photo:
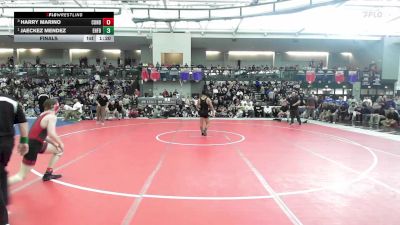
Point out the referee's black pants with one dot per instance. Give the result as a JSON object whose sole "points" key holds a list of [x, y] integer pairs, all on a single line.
{"points": [[294, 113], [6, 146]]}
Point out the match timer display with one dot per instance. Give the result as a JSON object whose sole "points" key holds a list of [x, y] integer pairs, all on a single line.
{"points": [[64, 27]]}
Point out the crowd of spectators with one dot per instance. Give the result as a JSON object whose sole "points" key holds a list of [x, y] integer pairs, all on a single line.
{"points": [[232, 99], [68, 91], [240, 99]]}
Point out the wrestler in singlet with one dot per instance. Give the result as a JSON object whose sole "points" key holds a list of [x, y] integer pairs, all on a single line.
{"points": [[37, 143], [203, 112], [42, 139], [204, 105]]}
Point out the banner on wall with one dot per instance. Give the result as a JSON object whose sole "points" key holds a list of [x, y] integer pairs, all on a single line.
{"points": [[320, 76], [329, 76], [376, 79], [143, 101], [185, 75], [339, 76], [197, 75], [145, 74], [365, 79], [310, 76], [155, 75], [353, 77]]}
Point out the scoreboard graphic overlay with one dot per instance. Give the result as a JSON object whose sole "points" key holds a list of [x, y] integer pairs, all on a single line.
{"points": [[63, 27]]}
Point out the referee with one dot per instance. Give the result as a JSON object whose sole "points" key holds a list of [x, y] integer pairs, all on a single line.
{"points": [[294, 102], [10, 113]]}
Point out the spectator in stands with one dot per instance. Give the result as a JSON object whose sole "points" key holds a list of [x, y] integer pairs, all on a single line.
{"points": [[389, 103], [343, 111], [351, 108], [311, 103], [377, 114], [268, 111], [357, 116], [323, 111], [258, 110], [367, 101], [334, 112], [283, 111], [42, 97], [121, 110], [366, 111], [175, 93], [37, 60], [112, 110], [173, 112], [397, 103], [381, 101], [97, 78], [148, 111], [156, 112], [133, 113], [392, 118], [351, 100], [165, 93]]}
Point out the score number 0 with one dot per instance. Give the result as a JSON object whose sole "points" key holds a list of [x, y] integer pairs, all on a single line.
{"points": [[108, 21]]}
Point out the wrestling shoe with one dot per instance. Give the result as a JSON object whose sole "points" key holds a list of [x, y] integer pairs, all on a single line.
{"points": [[50, 176]]}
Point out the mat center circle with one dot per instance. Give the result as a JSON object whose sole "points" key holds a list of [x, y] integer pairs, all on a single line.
{"points": [[195, 138]]}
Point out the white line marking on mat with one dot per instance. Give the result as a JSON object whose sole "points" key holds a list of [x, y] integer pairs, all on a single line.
{"points": [[282, 205]]}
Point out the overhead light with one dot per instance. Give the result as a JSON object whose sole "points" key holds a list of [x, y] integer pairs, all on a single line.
{"points": [[307, 53], [21, 49], [212, 52], [112, 51], [249, 53], [139, 51], [6, 50], [347, 54], [78, 50], [36, 50]]}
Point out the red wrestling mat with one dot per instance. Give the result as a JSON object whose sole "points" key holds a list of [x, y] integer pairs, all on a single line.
{"points": [[163, 172]]}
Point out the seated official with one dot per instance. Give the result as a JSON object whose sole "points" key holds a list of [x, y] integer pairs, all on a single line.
{"points": [[74, 112]]}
